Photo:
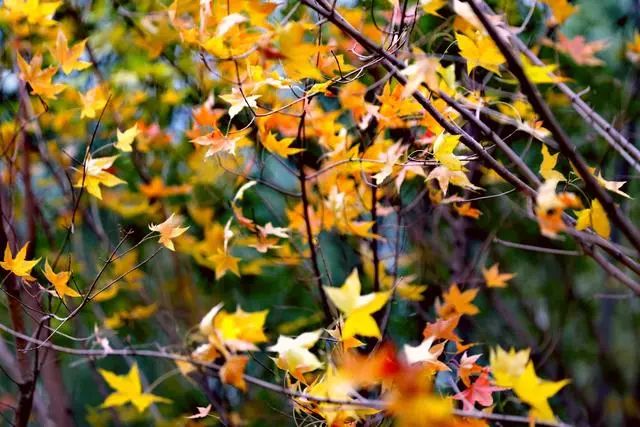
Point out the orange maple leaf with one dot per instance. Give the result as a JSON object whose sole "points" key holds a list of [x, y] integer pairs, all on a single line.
{"points": [[494, 279], [456, 302]]}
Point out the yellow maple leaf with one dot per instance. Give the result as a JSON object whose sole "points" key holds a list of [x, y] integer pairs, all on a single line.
{"points": [[410, 292], [40, 80], [60, 281], [446, 176], [431, 7], [507, 367], [481, 52], [126, 138], [138, 312], [357, 308], [282, 147], [69, 57], [223, 262], [239, 331], [294, 355], [547, 167], [424, 70], [594, 217], [157, 189], [169, 229], [94, 174], [561, 10], [93, 102], [19, 265], [128, 389], [536, 392], [540, 74], [34, 12], [239, 101], [299, 60], [443, 148], [230, 39], [494, 279]]}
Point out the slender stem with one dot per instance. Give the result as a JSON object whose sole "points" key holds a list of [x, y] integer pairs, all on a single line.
{"points": [[564, 143], [307, 221], [357, 402]]}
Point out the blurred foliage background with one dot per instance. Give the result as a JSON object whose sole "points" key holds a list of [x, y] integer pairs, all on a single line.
{"points": [[579, 323]]}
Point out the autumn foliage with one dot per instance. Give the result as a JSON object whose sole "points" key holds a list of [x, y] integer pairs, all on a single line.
{"points": [[317, 212]]}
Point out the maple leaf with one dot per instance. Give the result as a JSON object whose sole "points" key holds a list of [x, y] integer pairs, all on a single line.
{"points": [[282, 147], [633, 48], [468, 367], [169, 229], [561, 10], [431, 7], [217, 141], [232, 372], [39, 79], [581, 51], [203, 412], [126, 138], [128, 389], [540, 74], [299, 55], [480, 52], [69, 57], [382, 365], [446, 176], [548, 165], [223, 262], [336, 385], [494, 279], [550, 206], [443, 148], [357, 308], [613, 186], [594, 217], [478, 392], [457, 303], [138, 312], [294, 355], [239, 101], [156, 189], [426, 353], [270, 230], [444, 329], [239, 331], [536, 392], [93, 102], [507, 367], [94, 174], [19, 265], [230, 39], [422, 71], [410, 292], [35, 12], [60, 281], [465, 209]]}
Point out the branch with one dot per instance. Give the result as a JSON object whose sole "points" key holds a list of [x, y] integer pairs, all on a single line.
{"points": [[394, 65], [359, 402], [564, 144]]}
